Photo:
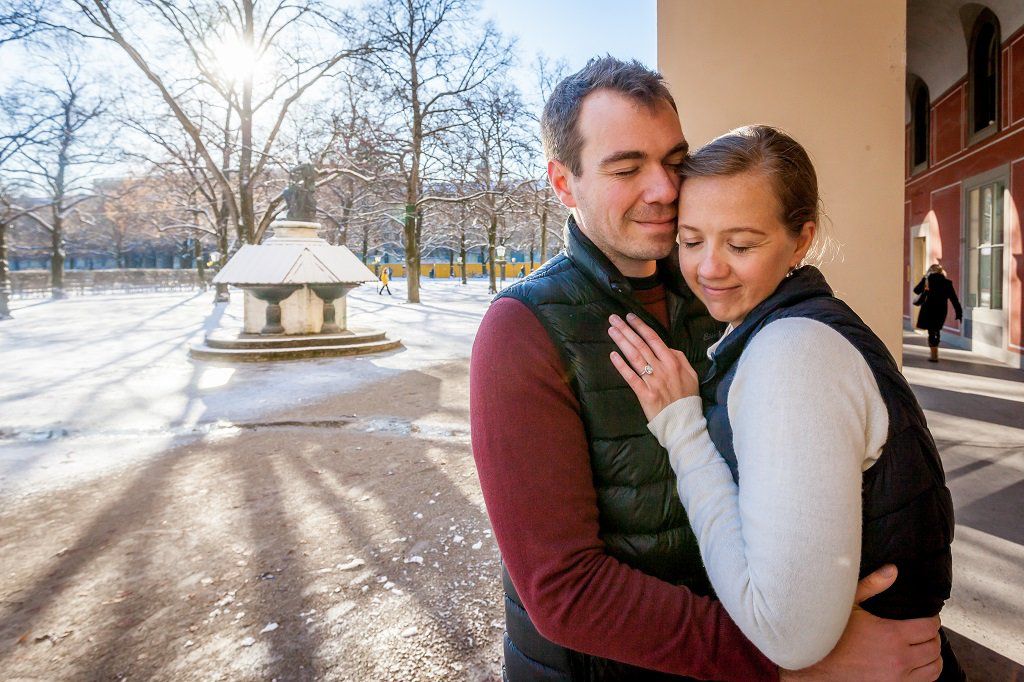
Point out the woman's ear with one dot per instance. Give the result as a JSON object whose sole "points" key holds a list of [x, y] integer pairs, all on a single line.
{"points": [[803, 242]]}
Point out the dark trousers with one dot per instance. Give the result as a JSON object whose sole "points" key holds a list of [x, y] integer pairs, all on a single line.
{"points": [[382, 290], [933, 337]]}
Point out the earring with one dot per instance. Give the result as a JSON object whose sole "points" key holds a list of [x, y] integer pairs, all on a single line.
{"points": [[790, 272]]}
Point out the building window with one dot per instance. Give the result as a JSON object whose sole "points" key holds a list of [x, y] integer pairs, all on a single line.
{"points": [[920, 109], [985, 246], [984, 74]]}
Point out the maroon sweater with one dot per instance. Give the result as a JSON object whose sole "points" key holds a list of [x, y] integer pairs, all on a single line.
{"points": [[534, 466]]}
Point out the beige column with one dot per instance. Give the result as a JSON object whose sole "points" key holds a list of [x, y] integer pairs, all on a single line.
{"points": [[830, 73]]}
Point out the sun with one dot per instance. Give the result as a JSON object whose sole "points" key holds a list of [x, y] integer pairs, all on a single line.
{"points": [[235, 59]]}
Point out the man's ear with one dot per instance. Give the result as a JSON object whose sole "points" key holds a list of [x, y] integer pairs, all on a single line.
{"points": [[558, 176]]}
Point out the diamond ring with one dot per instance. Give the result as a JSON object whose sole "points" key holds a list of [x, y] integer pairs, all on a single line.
{"points": [[648, 369]]}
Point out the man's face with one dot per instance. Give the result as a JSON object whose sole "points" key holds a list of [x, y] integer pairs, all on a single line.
{"points": [[625, 196]]}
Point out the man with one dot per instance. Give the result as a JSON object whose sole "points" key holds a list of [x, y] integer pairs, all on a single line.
{"points": [[602, 575]]}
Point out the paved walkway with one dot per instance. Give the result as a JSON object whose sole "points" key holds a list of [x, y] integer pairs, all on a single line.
{"points": [[975, 409]]}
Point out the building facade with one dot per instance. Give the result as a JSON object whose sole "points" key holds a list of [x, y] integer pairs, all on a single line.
{"points": [[965, 166], [831, 74]]}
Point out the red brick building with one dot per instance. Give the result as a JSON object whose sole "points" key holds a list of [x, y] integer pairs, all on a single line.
{"points": [[965, 165]]}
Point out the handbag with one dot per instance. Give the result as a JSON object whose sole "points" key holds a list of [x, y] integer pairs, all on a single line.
{"points": [[922, 298]]}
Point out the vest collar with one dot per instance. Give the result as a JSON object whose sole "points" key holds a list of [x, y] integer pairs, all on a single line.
{"points": [[805, 282], [586, 256]]}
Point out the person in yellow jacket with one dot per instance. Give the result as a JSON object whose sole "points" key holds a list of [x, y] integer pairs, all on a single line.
{"points": [[385, 277]]}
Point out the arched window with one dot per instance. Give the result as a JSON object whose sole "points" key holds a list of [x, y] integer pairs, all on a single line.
{"points": [[984, 74], [920, 107]]}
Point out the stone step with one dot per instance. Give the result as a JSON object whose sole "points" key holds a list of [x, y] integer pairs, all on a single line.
{"points": [[206, 352], [254, 341]]}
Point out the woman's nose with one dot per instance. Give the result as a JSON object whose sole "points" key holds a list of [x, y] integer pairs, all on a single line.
{"points": [[711, 266]]}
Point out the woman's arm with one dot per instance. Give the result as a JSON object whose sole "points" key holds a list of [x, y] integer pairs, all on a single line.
{"points": [[920, 285], [954, 300], [783, 549]]}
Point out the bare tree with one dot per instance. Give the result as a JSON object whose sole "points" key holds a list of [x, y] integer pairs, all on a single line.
{"points": [[21, 19], [190, 200], [429, 59], [497, 131], [20, 127], [58, 166], [237, 53], [544, 203], [350, 201]]}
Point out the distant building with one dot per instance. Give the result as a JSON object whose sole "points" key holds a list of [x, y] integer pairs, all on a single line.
{"points": [[965, 165]]}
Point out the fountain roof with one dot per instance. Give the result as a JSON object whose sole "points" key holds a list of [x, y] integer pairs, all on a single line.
{"points": [[293, 257]]}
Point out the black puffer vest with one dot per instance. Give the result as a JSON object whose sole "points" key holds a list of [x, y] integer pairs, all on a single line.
{"points": [[907, 509], [642, 521]]}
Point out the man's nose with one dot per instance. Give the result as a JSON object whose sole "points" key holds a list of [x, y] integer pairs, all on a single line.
{"points": [[662, 186]]}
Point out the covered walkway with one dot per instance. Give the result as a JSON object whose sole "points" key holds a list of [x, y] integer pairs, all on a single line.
{"points": [[975, 408]]}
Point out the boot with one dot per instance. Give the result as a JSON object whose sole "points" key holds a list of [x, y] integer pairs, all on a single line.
{"points": [[934, 357]]}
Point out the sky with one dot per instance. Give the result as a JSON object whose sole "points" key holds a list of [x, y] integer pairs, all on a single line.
{"points": [[578, 29], [573, 30], [570, 30]]}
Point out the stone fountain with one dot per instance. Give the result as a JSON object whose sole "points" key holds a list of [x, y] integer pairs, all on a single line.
{"points": [[294, 286]]}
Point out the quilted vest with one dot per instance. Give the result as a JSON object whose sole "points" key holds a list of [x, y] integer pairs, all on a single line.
{"points": [[642, 522], [907, 509]]}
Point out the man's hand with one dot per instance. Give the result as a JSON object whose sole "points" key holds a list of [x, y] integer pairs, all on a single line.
{"points": [[879, 649]]}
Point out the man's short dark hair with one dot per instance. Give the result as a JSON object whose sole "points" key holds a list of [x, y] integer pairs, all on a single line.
{"points": [[559, 122]]}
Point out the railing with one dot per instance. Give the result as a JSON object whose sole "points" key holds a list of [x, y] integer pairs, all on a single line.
{"points": [[35, 283]]}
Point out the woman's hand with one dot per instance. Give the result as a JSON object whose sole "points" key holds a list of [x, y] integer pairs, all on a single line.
{"points": [[657, 374]]}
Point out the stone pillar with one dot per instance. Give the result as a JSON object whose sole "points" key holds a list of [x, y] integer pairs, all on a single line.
{"points": [[832, 75], [272, 296], [332, 296]]}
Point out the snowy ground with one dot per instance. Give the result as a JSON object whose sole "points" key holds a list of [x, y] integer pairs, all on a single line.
{"points": [[95, 382], [307, 520]]}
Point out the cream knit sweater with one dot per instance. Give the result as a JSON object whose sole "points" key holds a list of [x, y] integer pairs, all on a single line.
{"points": [[782, 549]]}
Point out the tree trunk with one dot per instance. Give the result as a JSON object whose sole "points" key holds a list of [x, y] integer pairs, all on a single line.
{"points": [[221, 293], [5, 279], [412, 187], [462, 255], [544, 235], [225, 215], [346, 215], [197, 256], [57, 257], [492, 235], [412, 266]]}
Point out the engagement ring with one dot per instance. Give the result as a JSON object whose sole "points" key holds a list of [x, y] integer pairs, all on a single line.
{"points": [[648, 369]]}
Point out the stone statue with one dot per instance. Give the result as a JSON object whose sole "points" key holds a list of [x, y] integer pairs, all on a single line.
{"points": [[300, 193]]}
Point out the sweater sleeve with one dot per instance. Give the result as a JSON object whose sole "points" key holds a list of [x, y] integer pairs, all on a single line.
{"points": [[782, 549], [534, 467], [954, 300]]}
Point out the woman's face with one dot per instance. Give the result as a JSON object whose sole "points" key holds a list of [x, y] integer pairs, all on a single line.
{"points": [[733, 248]]}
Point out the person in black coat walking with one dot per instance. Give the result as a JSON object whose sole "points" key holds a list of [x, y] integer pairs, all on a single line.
{"points": [[935, 293]]}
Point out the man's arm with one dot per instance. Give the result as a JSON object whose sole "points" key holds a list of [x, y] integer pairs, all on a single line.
{"points": [[534, 467], [873, 648]]}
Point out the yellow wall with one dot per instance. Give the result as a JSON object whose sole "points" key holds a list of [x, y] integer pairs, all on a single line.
{"points": [[441, 270], [832, 75]]}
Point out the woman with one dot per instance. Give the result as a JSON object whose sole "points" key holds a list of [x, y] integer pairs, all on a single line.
{"points": [[935, 293], [808, 462]]}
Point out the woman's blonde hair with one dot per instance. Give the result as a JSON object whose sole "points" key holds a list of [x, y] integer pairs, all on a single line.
{"points": [[768, 150]]}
